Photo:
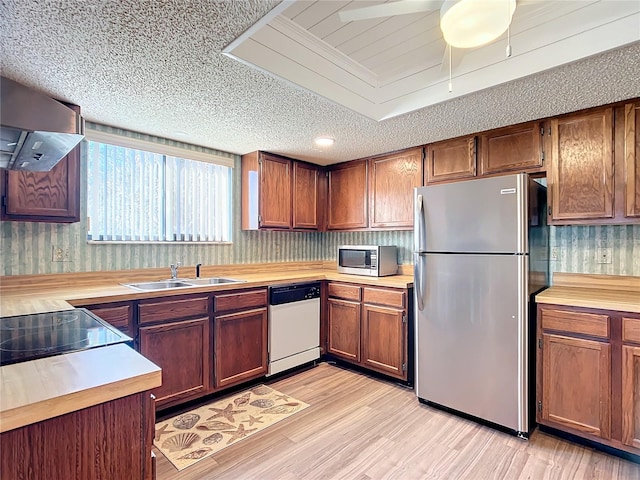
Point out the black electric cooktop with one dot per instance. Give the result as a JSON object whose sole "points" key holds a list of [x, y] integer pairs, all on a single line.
{"points": [[27, 337]]}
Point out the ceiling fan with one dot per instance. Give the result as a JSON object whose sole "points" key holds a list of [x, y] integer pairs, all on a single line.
{"points": [[464, 23]]}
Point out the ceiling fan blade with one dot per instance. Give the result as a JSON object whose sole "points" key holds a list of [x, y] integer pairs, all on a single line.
{"points": [[389, 9]]}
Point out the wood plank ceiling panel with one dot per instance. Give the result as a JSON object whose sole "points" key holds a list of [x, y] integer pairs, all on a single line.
{"points": [[317, 12], [297, 8], [418, 34], [331, 23], [379, 34]]}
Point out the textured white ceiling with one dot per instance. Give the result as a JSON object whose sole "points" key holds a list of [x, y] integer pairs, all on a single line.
{"points": [[156, 67]]}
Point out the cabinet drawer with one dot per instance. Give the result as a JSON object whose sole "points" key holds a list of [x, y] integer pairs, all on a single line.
{"points": [[120, 316], [631, 329], [349, 292], [240, 300], [172, 308], [591, 324], [380, 296]]}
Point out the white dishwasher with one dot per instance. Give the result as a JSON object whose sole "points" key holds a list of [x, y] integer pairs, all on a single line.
{"points": [[294, 325]]}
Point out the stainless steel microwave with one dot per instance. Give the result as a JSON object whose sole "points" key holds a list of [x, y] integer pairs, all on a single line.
{"points": [[371, 260]]}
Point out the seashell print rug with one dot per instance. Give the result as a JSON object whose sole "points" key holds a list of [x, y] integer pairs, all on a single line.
{"points": [[192, 436]]}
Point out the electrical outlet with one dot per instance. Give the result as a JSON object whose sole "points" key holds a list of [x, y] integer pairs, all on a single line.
{"points": [[603, 255], [60, 254], [554, 254]]}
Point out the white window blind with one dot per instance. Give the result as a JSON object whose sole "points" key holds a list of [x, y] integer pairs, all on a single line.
{"points": [[136, 195]]}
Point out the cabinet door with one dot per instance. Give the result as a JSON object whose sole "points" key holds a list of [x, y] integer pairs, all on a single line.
{"points": [[632, 158], [275, 192], [451, 160], [517, 148], [631, 396], [305, 196], [348, 196], [344, 329], [182, 350], [576, 384], [392, 179], [240, 346], [581, 180], [52, 196], [384, 336]]}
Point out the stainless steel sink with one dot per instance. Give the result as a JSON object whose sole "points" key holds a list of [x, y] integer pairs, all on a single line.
{"points": [[160, 285], [181, 283], [211, 281]]}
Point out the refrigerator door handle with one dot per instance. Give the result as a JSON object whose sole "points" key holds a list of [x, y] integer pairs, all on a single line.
{"points": [[418, 276], [419, 225]]}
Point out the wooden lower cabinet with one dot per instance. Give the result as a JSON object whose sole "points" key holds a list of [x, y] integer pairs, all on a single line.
{"points": [[182, 350], [240, 346], [631, 395], [588, 374], [384, 339], [119, 314], [368, 326], [111, 440], [344, 329], [577, 384]]}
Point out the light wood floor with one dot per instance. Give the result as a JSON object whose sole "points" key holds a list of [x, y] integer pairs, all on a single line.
{"points": [[361, 428]]}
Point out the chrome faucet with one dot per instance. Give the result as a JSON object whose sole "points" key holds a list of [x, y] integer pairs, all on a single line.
{"points": [[174, 270]]}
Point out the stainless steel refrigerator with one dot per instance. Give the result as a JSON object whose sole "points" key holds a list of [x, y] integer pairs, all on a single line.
{"points": [[480, 252]]}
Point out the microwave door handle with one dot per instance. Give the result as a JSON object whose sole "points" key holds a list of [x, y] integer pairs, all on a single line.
{"points": [[420, 224]]}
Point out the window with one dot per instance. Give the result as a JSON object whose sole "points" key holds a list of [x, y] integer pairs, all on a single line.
{"points": [[136, 195]]}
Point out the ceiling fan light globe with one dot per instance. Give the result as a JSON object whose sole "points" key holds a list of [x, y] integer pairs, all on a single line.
{"points": [[473, 23]]}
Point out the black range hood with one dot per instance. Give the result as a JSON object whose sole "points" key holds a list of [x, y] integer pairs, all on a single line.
{"points": [[36, 131]]}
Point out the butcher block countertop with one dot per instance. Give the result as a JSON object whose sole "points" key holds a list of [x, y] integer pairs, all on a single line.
{"points": [[45, 388], [48, 387], [606, 292], [45, 293]]}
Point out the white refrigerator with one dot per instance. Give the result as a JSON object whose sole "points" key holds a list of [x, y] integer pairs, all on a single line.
{"points": [[480, 253]]}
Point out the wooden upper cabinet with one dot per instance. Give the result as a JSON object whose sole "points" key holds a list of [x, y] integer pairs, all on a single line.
{"points": [[52, 196], [632, 159], [347, 192], [275, 192], [392, 179], [266, 191], [305, 196], [451, 160], [581, 185], [279, 193], [511, 149]]}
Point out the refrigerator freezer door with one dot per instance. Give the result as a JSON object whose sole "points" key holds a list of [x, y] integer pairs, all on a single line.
{"points": [[472, 336], [488, 215]]}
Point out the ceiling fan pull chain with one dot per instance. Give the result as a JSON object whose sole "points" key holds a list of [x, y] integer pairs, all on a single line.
{"points": [[509, 30], [450, 82]]}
